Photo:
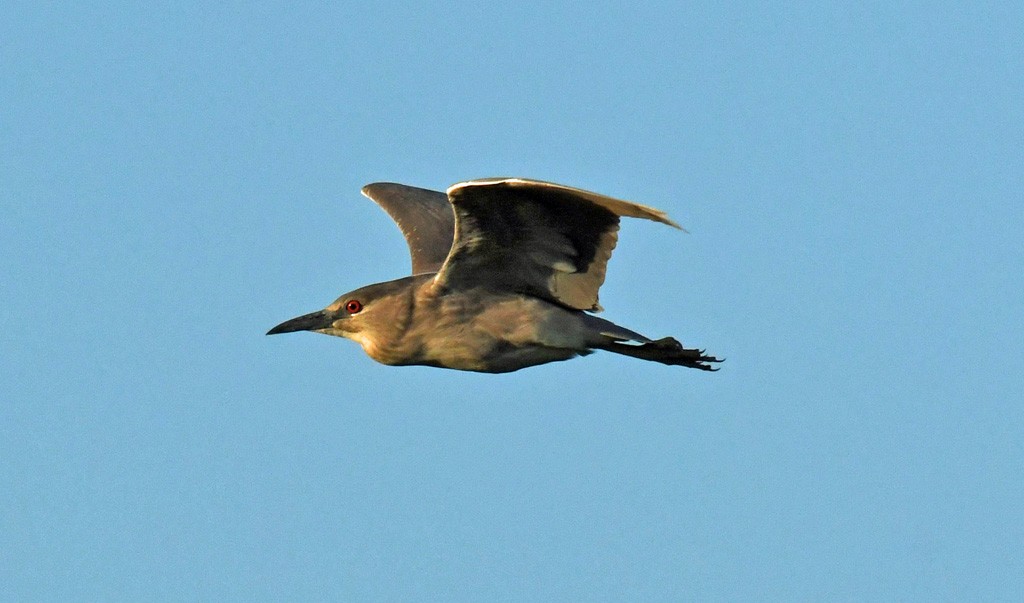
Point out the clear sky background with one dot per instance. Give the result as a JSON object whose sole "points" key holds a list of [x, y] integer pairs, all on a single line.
{"points": [[177, 180]]}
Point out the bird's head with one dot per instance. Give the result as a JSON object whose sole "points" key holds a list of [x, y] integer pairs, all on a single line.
{"points": [[365, 315]]}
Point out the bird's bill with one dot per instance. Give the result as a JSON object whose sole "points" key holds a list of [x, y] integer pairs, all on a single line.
{"points": [[307, 322]]}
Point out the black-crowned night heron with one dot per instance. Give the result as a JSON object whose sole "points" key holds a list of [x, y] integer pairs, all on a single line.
{"points": [[504, 273]]}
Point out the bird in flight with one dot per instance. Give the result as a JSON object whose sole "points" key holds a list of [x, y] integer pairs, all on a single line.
{"points": [[505, 275]]}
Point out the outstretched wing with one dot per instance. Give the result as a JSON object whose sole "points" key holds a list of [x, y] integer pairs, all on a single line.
{"points": [[538, 238], [425, 218]]}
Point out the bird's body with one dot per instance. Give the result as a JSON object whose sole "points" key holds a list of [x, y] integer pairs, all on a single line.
{"points": [[522, 266], [471, 330]]}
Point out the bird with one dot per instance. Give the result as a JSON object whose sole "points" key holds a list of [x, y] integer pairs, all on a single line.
{"points": [[505, 275]]}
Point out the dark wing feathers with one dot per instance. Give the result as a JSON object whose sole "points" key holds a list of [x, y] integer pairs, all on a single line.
{"points": [[537, 238]]}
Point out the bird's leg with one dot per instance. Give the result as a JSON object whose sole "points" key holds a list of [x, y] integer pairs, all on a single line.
{"points": [[666, 351]]}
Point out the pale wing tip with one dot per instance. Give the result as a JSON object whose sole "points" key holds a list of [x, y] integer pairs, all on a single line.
{"points": [[664, 219], [675, 225], [636, 210]]}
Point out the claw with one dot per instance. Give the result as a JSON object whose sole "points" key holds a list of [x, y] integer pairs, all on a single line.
{"points": [[667, 350]]}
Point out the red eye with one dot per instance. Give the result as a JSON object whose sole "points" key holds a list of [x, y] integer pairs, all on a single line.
{"points": [[353, 305]]}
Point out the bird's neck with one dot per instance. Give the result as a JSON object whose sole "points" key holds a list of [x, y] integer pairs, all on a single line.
{"points": [[392, 338]]}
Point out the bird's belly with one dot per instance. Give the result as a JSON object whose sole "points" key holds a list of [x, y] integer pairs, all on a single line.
{"points": [[498, 337], [499, 357]]}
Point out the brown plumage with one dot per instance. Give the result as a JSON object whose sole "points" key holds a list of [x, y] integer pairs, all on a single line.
{"points": [[505, 271]]}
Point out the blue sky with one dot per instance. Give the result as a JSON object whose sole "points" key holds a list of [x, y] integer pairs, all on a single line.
{"points": [[175, 180]]}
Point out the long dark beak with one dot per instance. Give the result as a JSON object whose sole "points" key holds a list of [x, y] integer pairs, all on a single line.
{"points": [[308, 322]]}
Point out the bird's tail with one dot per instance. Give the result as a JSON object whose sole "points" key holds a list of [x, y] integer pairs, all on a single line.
{"points": [[666, 351]]}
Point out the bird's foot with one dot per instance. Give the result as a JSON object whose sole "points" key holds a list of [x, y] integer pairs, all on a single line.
{"points": [[668, 350]]}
